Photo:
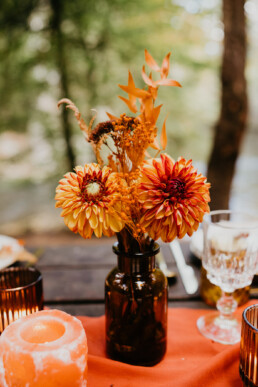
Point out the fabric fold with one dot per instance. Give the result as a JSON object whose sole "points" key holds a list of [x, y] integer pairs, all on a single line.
{"points": [[191, 360]]}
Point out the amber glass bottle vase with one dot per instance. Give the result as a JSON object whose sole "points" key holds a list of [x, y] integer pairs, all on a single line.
{"points": [[136, 309]]}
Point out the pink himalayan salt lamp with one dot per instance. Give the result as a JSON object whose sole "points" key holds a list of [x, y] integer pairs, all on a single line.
{"points": [[45, 349]]}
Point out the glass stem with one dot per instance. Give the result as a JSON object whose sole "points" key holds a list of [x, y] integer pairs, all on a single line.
{"points": [[226, 305]]}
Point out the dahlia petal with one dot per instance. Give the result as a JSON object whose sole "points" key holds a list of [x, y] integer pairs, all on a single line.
{"points": [[164, 233], [115, 224], [66, 211], [79, 169], [88, 212], [150, 214], [190, 232], [63, 181], [60, 195], [160, 212], [147, 205], [87, 230], [67, 203], [77, 211], [159, 168], [193, 212], [93, 220], [95, 209], [98, 230], [81, 221], [72, 182], [169, 210], [182, 231], [66, 187], [70, 221], [151, 175], [101, 214], [179, 217], [108, 232], [75, 206], [154, 230], [171, 235], [188, 219], [168, 164]]}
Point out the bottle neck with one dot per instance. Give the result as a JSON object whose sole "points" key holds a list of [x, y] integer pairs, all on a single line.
{"points": [[136, 262], [134, 265]]}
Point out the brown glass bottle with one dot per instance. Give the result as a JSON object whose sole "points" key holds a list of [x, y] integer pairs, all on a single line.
{"points": [[136, 309]]}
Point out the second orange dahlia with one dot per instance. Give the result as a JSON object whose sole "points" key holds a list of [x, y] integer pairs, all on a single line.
{"points": [[174, 198]]}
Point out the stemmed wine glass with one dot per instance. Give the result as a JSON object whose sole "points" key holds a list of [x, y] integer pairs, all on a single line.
{"points": [[230, 259]]}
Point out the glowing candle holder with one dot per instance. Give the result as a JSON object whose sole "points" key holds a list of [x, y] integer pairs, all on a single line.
{"points": [[21, 294], [45, 349], [249, 347]]}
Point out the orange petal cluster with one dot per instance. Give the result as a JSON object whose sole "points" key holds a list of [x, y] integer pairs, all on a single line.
{"points": [[148, 112], [174, 198], [90, 201]]}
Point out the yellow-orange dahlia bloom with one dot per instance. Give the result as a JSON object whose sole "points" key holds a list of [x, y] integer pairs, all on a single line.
{"points": [[174, 198], [90, 201]]}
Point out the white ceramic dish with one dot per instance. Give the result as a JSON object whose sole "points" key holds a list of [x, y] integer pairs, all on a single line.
{"points": [[9, 249]]}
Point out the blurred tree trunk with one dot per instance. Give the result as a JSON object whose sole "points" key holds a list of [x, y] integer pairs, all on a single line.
{"points": [[231, 125], [57, 8]]}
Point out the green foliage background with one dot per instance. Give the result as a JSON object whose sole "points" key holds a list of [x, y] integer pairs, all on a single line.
{"points": [[100, 41]]}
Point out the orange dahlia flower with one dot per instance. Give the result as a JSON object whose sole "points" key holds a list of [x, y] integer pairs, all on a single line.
{"points": [[174, 198], [90, 201]]}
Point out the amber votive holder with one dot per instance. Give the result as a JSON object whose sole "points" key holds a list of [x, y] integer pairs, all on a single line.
{"points": [[21, 293], [249, 347]]}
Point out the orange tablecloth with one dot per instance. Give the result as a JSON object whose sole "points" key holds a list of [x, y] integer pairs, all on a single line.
{"points": [[191, 359]]}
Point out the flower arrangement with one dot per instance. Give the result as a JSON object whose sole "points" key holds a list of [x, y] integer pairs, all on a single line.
{"points": [[135, 196]]}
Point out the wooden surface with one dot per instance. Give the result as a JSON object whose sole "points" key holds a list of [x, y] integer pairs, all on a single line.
{"points": [[74, 273]]}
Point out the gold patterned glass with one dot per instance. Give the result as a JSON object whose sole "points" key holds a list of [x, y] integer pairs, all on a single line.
{"points": [[20, 294], [249, 347], [230, 259]]}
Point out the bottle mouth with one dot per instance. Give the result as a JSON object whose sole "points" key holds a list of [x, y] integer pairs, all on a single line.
{"points": [[154, 249]]}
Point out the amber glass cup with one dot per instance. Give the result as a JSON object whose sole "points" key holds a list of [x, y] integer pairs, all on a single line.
{"points": [[21, 293], [249, 347]]}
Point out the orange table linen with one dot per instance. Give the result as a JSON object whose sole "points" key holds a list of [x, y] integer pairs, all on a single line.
{"points": [[191, 359]]}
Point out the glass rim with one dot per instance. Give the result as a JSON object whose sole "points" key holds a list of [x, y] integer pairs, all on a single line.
{"points": [[245, 318], [207, 220], [18, 288]]}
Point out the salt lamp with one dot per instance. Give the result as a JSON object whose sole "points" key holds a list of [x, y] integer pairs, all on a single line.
{"points": [[45, 349]]}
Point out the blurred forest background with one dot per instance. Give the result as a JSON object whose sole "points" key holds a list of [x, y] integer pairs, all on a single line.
{"points": [[81, 49]]}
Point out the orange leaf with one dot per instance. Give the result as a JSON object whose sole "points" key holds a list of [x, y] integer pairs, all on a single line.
{"points": [[163, 137], [135, 91], [132, 98], [151, 62], [111, 117], [130, 80], [155, 145], [147, 106], [132, 90], [147, 154], [165, 66], [153, 91], [146, 79], [131, 106], [155, 113], [168, 82]]}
